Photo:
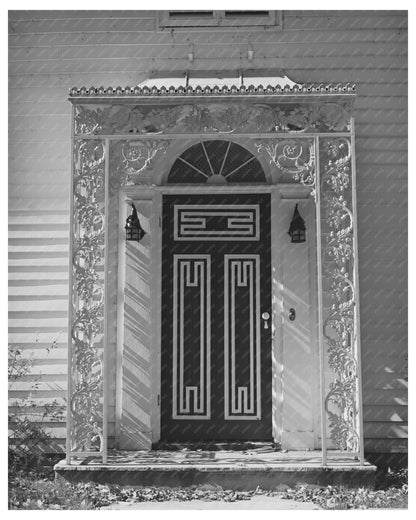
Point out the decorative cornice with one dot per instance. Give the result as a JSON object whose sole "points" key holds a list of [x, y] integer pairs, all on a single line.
{"points": [[318, 89], [261, 117]]}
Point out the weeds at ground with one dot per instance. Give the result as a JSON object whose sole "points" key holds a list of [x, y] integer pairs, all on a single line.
{"points": [[391, 493], [26, 492]]}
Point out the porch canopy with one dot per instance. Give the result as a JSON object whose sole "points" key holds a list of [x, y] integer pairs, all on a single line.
{"points": [[304, 131]]}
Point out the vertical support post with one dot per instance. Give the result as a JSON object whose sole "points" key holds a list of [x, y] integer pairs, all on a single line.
{"points": [[320, 303], [357, 330], [121, 275], [105, 316], [156, 309], [87, 244], [70, 303], [277, 412]]}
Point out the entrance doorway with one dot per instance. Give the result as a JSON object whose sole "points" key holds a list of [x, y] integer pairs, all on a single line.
{"points": [[216, 375]]}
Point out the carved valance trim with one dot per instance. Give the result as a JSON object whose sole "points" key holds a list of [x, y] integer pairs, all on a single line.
{"points": [[192, 118], [138, 92]]}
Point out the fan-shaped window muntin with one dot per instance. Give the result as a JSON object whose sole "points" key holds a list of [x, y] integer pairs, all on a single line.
{"points": [[216, 162]]}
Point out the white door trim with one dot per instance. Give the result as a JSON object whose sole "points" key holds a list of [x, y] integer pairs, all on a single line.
{"points": [[153, 194]]}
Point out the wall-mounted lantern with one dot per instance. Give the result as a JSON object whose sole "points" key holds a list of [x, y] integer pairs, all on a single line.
{"points": [[297, 229], [134, 231]]}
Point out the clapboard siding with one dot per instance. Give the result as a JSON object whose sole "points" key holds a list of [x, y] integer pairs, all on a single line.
{"points": [[151, 49], [324, 40], [384, 413], [374, 65], [129, 77], [50, 51], [38, 296]]}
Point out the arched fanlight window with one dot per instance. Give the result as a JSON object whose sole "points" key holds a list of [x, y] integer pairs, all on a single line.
{"points": [[216, 162]]}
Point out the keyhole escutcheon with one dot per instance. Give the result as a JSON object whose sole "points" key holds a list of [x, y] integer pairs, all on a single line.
{"points": [[265, 316]]}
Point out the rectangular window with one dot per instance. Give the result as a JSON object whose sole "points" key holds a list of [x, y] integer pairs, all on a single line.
{"points": [[247, 18], [220, 18], [189, 19]]}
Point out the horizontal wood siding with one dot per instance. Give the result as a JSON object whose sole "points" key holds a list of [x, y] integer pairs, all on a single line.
{"points": [[50, 51]]}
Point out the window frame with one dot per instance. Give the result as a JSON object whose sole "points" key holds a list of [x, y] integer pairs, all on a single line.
{"points": [[225, 18]]}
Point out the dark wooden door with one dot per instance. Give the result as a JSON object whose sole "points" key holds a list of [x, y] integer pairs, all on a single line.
{"points": [[216, 346]]}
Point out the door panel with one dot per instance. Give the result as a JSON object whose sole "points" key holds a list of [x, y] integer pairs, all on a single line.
{"points": [[216, 349], [191, 369], [242, 337]]}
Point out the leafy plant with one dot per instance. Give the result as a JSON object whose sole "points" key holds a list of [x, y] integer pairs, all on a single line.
{"points": [[28, 439]]}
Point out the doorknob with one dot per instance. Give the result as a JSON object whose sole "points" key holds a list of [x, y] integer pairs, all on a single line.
{"points": [[266, 316]]}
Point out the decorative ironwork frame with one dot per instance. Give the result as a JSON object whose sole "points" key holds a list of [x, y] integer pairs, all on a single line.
{"points": [[86, 421], [312, 145]]}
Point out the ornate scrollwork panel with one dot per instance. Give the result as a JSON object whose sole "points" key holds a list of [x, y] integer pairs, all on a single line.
{"points": [[242, 117], [340, 325], [294, 157], [130, 159], [86, 373]]}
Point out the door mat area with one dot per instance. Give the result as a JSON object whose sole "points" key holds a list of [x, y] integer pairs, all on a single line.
{"points": [[260, 447]]}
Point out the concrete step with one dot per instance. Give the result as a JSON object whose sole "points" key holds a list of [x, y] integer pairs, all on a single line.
{"points": [[239, 470]]}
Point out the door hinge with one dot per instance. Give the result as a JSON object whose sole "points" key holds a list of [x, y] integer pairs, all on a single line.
{"points": [[160, 221], [158, 399]]}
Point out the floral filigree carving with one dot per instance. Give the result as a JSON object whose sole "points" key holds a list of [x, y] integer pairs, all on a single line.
{"points": [[338, 264], [130, 159], [86, 431], [243, 117], [138, 155], [295, 157]]}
